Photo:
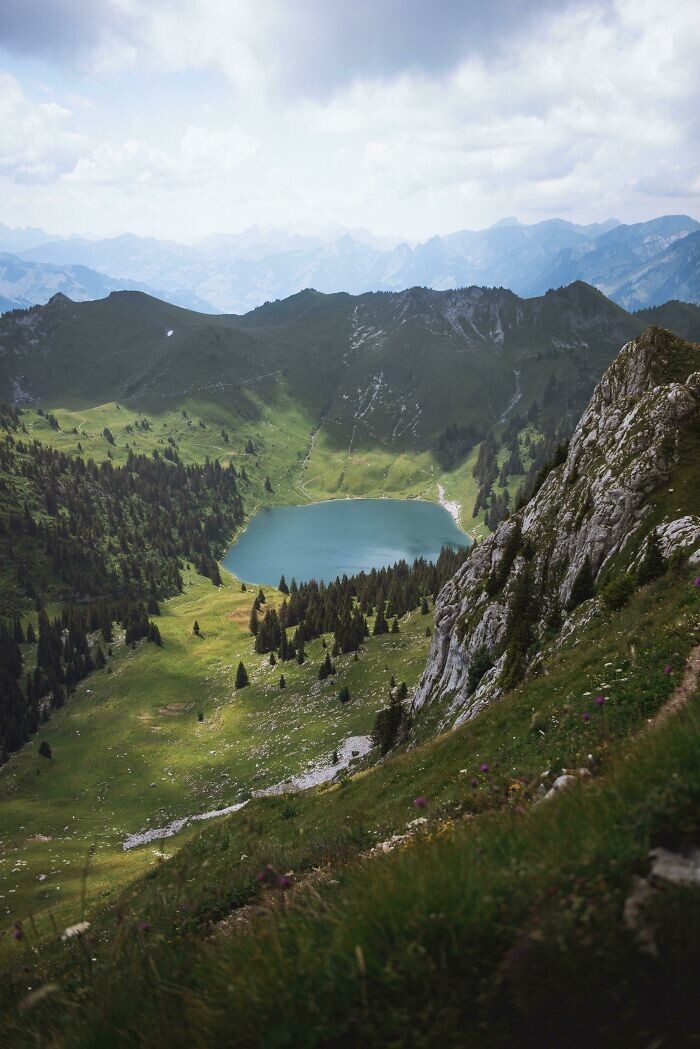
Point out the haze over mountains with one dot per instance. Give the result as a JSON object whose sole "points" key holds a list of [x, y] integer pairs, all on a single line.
{"points": [[638, 266]]}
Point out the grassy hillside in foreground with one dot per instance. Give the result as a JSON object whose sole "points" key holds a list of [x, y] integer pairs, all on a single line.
{"points": [[496, 913], [129, 752]]}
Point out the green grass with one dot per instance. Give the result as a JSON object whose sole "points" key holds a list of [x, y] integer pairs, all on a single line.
{"points": [[498, 912], [129, 752]]}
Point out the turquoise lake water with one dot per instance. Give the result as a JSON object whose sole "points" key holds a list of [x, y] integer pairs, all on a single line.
{"points": [[344, 536]]}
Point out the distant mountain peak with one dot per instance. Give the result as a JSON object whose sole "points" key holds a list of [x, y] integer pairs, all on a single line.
{"points": [[509, 220]]}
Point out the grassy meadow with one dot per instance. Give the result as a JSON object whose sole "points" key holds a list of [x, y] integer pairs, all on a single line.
{"points": [[535, 891], [129, 751]]}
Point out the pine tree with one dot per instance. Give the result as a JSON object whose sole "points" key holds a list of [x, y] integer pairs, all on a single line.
{"points": [[268, 485], [283, 588], [395, 626], [31, 634], [273, 659], [242, 678], [380, 624], [44, 749], [653, 564], [344, 694], [583, 586], [195, 628], [253, 622], [283, 683], [387, 725], [424, 607], [326, 668]]}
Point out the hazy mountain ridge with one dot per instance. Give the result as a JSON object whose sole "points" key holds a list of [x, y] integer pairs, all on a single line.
{"points": [[636, 265]]}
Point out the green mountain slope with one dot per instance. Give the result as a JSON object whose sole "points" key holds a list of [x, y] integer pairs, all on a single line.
{"points": [[341, 395]]}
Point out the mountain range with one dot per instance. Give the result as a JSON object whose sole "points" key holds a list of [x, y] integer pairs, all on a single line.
{"points": [[638, 265]]}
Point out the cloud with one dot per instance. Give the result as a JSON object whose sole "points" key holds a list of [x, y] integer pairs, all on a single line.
{"points": [[384, 115], [37, 141], [671, 181], [200, 157], [308, 47]]}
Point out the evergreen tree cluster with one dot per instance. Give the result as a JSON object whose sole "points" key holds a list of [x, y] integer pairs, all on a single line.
{"points": [[66, 649], [107, 540], [454, 444], [341, 608], [80, 530]]}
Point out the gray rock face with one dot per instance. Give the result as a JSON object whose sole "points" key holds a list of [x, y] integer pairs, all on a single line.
{"points": [[594, 506]]}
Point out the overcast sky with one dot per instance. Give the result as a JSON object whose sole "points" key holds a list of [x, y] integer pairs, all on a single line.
{"points": [[178, 118]]}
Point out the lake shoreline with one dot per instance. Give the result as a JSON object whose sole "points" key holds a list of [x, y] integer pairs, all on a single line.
{"points": [[391, 530]]}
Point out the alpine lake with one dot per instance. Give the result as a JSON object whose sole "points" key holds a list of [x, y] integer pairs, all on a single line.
{"points": [[341, 537]]}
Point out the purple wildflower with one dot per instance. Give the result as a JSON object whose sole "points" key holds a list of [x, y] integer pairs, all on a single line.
{"points": [[697, 581], [285, 881], [600, 700], [144, 926], [586, 716], [484, 767], [420, 802], [18, 932], [668, 669]]}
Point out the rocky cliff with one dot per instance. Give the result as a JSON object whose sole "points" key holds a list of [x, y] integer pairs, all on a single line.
{"points": [[629, 480]]}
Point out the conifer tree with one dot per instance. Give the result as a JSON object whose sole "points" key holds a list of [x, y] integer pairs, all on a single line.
{"points": [[242, 678], [253, 622], [424, 607], [380, 624], [195, 628], [326, 668], [283, 588], [344, 694], [395, 626], [583, 586], [283, 683], [653, 564]]}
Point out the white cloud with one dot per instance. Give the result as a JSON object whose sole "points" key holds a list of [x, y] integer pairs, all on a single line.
{"points": [[37, 141], [592, 111]]}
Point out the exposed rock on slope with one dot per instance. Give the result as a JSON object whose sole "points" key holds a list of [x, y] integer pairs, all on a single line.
{"points": [[589, 523]]}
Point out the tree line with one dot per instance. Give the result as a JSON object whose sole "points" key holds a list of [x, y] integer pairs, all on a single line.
{"points": [[109, 541]]}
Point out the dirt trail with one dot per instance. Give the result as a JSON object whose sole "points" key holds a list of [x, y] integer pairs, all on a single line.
{"points": [[683, 690]]}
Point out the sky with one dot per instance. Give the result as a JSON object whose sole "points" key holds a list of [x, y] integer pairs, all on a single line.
{"points": [[181, 118]]}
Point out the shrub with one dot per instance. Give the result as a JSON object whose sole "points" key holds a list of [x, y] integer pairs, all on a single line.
{"points": [[617, 592]]}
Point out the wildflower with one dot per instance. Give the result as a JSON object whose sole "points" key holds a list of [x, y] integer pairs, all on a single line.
{"points": [[17, 932], [285, 881], [586, 716], [75, 930], [697, 581], [144, 926], [484, 767], [668, 669], [420, 802], [475, 783], [600, 700]]}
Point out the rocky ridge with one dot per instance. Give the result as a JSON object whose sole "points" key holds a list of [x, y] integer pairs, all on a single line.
{"points": [[589, 523]]}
